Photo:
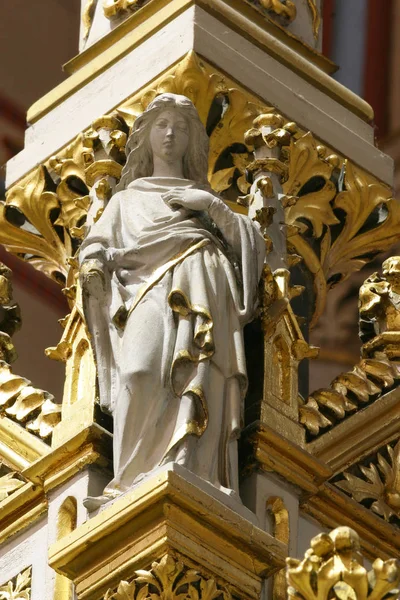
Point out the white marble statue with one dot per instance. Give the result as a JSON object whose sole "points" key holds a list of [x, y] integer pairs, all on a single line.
{"points": [[169, 276]]}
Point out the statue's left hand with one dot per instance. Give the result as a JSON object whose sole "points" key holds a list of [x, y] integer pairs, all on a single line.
{"points": [[191, 199]]}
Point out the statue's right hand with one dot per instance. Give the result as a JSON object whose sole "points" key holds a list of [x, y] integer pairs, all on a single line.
{"points": [[92, 273]]}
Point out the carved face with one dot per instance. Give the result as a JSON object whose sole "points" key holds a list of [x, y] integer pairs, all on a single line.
{"points": [[169, 136]]}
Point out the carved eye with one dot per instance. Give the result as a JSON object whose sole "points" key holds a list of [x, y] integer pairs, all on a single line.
{"points": [[182, 126]]}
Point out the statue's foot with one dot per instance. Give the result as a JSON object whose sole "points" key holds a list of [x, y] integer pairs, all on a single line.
{"points": [[92, 503]]}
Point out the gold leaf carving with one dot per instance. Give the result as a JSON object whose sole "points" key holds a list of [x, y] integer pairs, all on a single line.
{"points": [[333, 568], [87, 17], [114, 8], [378, 370], [281, 8], [31, 407], [365, 217], [9, 483], [169, 579], [10, 316], [305, 163], [316, 17], [335, 227], [380, 482], [359, 199], [36, 239], [18, 588]]}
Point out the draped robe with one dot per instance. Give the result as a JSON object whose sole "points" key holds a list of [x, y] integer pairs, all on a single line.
{"points": [[167, 329]]}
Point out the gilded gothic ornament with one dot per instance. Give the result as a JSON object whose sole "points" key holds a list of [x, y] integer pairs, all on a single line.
{"points": [[10, 316], [18, 588], [169, 579], [34, 409], [378, 370], [316, 17], [9, 483], [114, 8], [337, 216], [378, 484], [333, 568], [286, 9]]}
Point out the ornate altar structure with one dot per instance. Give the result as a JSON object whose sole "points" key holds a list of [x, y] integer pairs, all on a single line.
{"points": [[310, 460]]}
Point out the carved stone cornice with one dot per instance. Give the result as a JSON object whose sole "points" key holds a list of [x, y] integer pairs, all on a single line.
{"points": [[168, 514], [237, 14]]}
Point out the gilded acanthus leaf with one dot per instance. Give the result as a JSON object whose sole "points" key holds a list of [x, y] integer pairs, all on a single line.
{"points": [[9, 483], [33, 408], [380, 482], [169, 579], [36, 239], [114, 8], [18, 588], [362, 199]]}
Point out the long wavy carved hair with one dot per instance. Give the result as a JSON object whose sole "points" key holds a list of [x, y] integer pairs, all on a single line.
{"points": [[139, 154]]}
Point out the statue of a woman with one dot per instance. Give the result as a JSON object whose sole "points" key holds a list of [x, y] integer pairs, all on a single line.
{"points": [[169, 276]]}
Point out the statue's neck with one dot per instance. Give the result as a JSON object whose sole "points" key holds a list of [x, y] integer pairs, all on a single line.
{"points": [[167, 169]]}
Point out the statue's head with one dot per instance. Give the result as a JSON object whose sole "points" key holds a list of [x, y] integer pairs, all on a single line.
{"points": [[191, 144]]}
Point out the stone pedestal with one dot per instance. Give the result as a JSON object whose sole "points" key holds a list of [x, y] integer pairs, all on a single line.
{"points": [[180, 522]]}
